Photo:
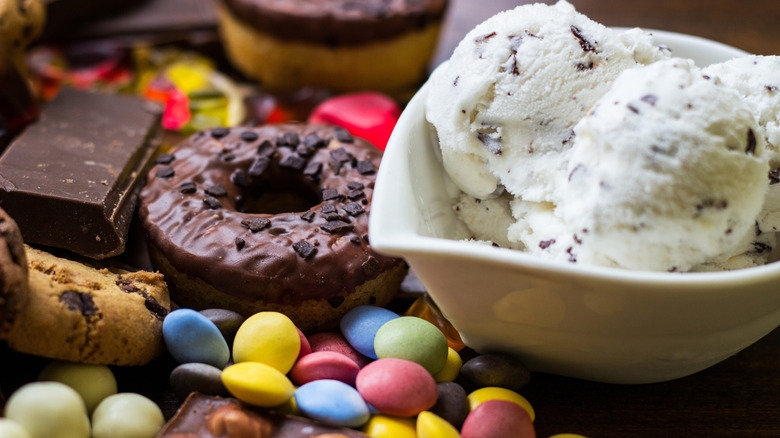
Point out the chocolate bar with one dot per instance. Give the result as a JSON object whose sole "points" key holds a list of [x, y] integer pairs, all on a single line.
{"points": [[207, 416], [71, 179]]}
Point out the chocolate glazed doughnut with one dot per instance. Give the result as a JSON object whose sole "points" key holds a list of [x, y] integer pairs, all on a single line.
{"points": [[269, 218]]}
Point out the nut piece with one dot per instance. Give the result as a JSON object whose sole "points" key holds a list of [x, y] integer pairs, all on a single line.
{"points": [[230, 421]]}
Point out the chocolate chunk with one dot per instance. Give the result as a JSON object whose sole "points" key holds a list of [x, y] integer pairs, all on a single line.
{"points": [[355, 240], [313, 169], [256, 224], [127, 286], [586, 45], [86, 156], [482, 38], [240, 243], [343, 135], [354, 209], [355, 194], [308, 216], [340, 155], [650, 99], [305, 249], [228, 157], [265, 149], [492, 141], [217, 191], [774, 176], [337, 226], [544, 244], [219, 132], [158, 310], [335, 302], [248, 136], [165, 159], [331, 194], [354, 185], [305, 151], [188, 188], [288, 139], [259, 166], [751, 142], [293, 162], [328, 209], [314, 141], [212, 203], [165, 172], [241, 179], [79, 302], [365, 167], [371, 266]]}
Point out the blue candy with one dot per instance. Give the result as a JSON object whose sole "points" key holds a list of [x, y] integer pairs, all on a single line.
{"points": [[332, 402], [192, 337], [360, 325]]}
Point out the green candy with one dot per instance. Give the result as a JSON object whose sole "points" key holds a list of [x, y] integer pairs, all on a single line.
{"points": [[413, 339]]}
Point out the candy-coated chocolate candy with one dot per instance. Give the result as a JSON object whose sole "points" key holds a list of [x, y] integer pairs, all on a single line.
{"points": [[414, 339], [452, 404], [200, 377], [329, 341], [481, 395], [397, 387], [192, 337], [368, 115], [451, 367], [227, 321], [127, 415], [332, 402], [49, 409], [324, 365], [305, 345], [12, 429], [270, 338], [424, 307], [498, 419], [385, 426], [92, 382], [360, 324], [496, 370], [430, 425], [257, 384]]}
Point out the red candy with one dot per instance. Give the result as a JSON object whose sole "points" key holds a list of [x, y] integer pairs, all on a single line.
{"points": [[324, 365], [368, 115], [305, 346], [327, 341], [397, 387], [498, 419]]}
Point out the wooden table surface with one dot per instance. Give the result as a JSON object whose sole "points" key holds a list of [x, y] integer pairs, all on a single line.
{"points": [[739, 397]]}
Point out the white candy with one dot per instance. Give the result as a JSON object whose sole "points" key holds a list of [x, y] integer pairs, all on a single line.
{"points": [[92, 382], [126, 415], [12, 429], [49, 409]]}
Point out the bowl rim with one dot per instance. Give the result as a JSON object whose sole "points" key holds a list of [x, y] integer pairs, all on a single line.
{"points": [[388, 237]]}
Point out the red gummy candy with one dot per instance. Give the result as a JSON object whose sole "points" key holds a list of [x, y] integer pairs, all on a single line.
{"points": [[368, 115]]}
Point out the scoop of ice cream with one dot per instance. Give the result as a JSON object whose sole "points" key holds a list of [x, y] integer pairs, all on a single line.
{"points": [[505, 103], [668, 171], [757, 79]]}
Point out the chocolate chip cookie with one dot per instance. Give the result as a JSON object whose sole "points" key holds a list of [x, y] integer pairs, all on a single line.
{"points": [[13, 273]]}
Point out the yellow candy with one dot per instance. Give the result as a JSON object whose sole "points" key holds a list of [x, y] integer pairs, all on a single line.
{"points": [[385, 426], [451, 368], [270, 338], [290, 407], [430, 425], [495, 393], [257, 384]]}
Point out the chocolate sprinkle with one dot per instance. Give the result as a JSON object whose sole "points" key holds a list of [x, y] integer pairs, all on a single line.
{"points": [[259, 166], [256, 224], [289, 139], [365, 167], [584, 43], [305, 151], [313, 169], [212, 203], [314, 141], [336, 226], [188, 188], [248, 136], [219, 132], [340, 155], [331, 194], [308, 216], [165, 172], [354, 209], [305, 249], [293, 162], [343, 135], [79, 301], [217, 191], [165, 159]]}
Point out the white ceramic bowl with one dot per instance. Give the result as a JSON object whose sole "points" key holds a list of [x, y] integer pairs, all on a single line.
{"points": [[595, 323]]}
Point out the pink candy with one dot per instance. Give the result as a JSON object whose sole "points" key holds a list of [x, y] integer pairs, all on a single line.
{"points": [[324, 365], [328, 341], [498, 419], [368, 115], [397, 387]]}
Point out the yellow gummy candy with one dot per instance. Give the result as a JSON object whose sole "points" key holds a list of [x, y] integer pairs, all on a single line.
{"points": [[496, 393], [385, 426], [430, 425]]}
